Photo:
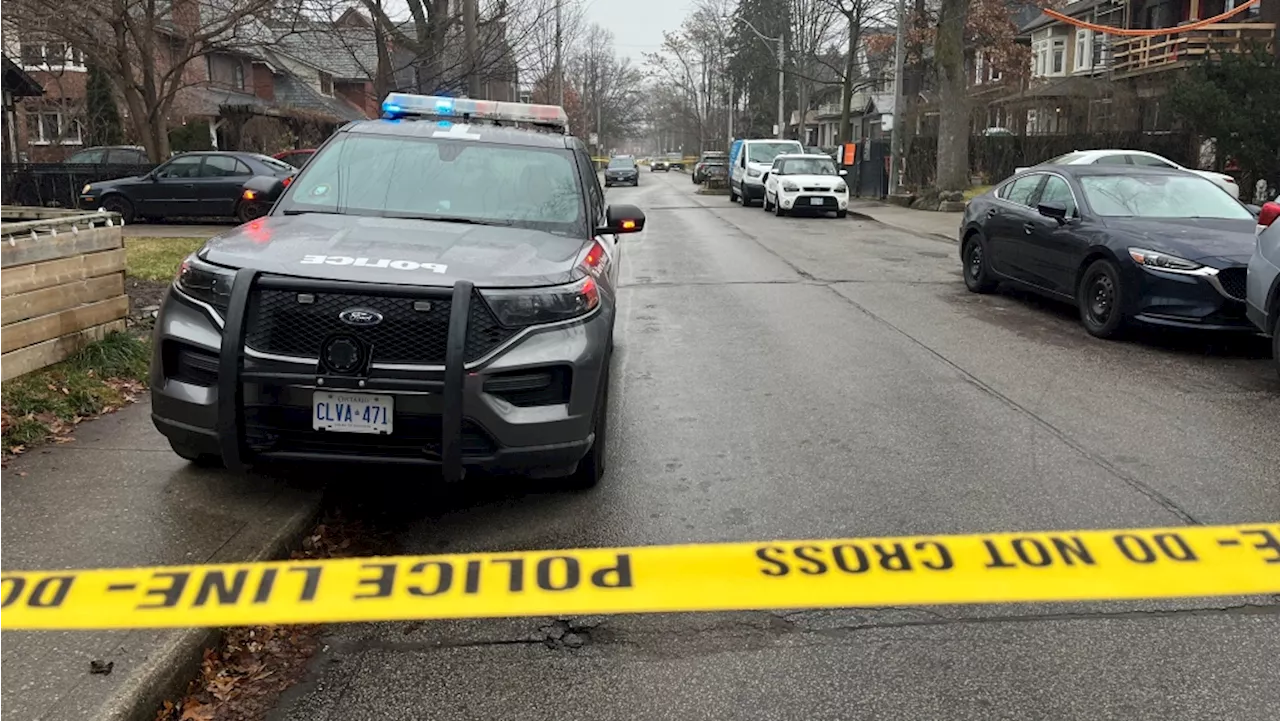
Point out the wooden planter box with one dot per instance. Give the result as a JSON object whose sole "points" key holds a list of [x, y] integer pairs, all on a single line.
{"points": [[61, 285]]}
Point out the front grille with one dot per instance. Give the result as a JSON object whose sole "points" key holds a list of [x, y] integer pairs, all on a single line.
{"points": [[816, 189], [288, 428], [278, 323], [1234, 282]]}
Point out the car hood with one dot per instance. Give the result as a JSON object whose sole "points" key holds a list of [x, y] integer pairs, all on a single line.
{"points": [[100, 185], [1212, 241], [397, 250]]}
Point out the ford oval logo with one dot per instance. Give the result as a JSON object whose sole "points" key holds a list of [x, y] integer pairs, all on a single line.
{"points": [[360, 316]]}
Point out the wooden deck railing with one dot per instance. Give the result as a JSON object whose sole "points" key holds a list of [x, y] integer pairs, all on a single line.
{"points": [[1134, 56]]}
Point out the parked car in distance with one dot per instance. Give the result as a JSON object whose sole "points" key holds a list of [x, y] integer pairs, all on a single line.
{"points": [[297, 157], [803, 183], [1263, 303], [191, 184], [110, 155], [710, 157], [1125, 244], [1138, 158]]}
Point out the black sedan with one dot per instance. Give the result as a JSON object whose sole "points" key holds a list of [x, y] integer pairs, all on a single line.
{"points": [[1125, 244], [191, 184]]}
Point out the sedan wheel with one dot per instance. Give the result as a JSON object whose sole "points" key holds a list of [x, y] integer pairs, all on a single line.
{"points": [[1100, 300], [976, 277], [246, 212], [119, 204]]}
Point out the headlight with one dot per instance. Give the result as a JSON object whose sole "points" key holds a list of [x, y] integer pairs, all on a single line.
{"points": [[1163, 261], [753, 173], [86, 188], [790, 187], [841, 188], [520, 307], [205, 282]]}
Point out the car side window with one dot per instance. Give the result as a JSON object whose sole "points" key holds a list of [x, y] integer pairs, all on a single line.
{"points": [[591, 181], [1056, 190], [1113, 160], [185, 167], [87, 156], [124, 156], [223, 166], [1150, 162], [1020, 191]]}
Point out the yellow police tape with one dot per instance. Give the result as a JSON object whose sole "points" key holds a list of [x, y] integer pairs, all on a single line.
{"points": [[987, 568]]}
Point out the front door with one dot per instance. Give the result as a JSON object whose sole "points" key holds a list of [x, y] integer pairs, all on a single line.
{"points": [[173, 190], [1052, 250]]}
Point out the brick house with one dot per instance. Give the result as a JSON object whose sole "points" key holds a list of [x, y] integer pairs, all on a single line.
{"points": [[1082, 81]]}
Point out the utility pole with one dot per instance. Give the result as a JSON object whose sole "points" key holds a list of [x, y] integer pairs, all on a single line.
{"points": [[559, 57], [899, 103], [782, 60]]}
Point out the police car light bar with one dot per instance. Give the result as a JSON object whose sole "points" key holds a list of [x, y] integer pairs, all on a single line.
{"points": [[401, 105]]}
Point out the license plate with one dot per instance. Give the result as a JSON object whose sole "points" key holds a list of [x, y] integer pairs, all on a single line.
{"points": [[817, 201], [352, 412]]}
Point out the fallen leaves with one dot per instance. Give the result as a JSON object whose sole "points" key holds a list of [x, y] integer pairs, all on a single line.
{"points": [[241, 679]]}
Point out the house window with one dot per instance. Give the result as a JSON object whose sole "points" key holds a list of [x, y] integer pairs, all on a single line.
{"points": [[1084, 49], [979, 69], [1058, 52], [51, 56], [237, 76], [326, 83], [47, 127]]}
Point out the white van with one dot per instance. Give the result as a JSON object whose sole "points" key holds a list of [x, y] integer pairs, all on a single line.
{"points": [[749, 160]]}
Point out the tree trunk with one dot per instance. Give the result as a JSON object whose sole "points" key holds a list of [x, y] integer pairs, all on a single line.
{"points": [[953, 120], [473, 47]]}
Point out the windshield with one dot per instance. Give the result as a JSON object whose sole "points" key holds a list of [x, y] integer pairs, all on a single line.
{"points": [[1159, 196], [1067, 159], [808, 166], [766, 152], [437, 178], [622, 163]]}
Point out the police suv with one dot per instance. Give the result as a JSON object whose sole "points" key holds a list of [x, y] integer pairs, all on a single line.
{"points": [[436, 287]]}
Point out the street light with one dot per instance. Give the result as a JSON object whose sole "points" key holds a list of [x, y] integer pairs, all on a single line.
{"points": [[782, 59]]}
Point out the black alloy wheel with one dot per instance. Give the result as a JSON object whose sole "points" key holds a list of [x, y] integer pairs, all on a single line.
{"points": [[118, 204], [1101, 300], [976, 276]]}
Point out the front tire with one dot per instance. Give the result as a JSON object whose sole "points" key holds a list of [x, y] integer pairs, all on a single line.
{"points": [[765, 203], [119, 204], [733, 195], [1100, 300], [778, 210], [592, 466], [977, 273], [842, 214]]}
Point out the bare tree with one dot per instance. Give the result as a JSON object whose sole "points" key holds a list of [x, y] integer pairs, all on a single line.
{"points": [[692, 65], [147, 48], [813, 26], [953, 96]]}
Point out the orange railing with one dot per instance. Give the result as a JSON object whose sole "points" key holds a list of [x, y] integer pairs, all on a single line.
{"points": [[1133, 56]]}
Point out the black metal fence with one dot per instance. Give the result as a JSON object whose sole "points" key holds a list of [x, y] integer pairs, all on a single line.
{"points": [[994, 158], [57, 185]]}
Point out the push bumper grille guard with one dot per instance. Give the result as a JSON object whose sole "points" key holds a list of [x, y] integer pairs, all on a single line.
{"points": [[232, 374]]}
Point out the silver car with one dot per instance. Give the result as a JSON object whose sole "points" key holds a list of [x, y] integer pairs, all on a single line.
{"points": [[1264, 277]]}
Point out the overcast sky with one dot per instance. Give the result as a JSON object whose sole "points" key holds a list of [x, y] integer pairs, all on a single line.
{"points": [[637, 25]]}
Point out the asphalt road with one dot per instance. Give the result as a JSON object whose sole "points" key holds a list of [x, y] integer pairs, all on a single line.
{"points": [[804, 377]]}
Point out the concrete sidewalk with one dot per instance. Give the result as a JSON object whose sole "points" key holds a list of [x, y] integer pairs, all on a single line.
{"points": [[919, 222], [117, 496]]}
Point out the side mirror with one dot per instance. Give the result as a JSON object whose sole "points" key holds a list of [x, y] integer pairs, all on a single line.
{"points": [[622, 219], [843, 171], [1057, 211]]}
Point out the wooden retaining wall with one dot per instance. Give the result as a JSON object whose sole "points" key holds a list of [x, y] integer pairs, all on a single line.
{"points": [[61, 285]]}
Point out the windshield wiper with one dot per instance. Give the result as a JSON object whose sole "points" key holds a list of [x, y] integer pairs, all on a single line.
{"points": [[453, 219], [301, 211]]}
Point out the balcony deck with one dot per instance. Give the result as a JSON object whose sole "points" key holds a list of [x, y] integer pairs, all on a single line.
{"points": [[1141, 55]]}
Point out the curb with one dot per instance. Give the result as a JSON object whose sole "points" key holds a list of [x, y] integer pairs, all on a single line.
{"points": [[903, 228], [169, 669]]}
